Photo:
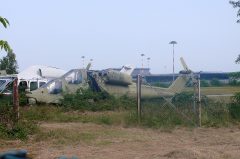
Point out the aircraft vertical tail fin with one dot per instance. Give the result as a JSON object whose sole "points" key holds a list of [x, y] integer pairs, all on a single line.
{"points": [[179, 84]]}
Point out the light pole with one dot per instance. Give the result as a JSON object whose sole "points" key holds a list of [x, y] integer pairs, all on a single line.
{"points": [[83, 60], [91, 61], [142, 55], [173, 43], [148, 61]]}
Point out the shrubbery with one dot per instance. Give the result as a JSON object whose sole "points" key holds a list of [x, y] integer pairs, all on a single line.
{"points": [[183, 99], [12, 129], [87, 100], [234, 107]]}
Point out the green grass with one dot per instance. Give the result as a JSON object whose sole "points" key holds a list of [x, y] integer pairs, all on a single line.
{"points": [[75, 135], [216, 90], [58, 114], [155, 114]]}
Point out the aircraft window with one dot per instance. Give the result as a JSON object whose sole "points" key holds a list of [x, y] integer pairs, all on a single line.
{"points": [[78, 78], [74, 78], [41, 84], [2, 82], [23, 85], [33, 86], [55, 87]]}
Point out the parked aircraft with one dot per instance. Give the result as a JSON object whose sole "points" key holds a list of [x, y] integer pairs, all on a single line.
{"points": [[4, 85], [31, 78], [120, 83], [52, 92]]}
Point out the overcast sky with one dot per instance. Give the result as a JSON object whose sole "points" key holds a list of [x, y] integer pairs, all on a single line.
{"points": [[116, 32]]}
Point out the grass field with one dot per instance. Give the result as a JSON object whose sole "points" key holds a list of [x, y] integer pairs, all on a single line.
{"points": [[216, 90], [117, 134], [94, 141]]}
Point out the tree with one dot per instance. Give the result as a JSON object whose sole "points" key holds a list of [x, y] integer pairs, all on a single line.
{"points": [[4, 44], [9, 63], [238, 60], [236, 4]]}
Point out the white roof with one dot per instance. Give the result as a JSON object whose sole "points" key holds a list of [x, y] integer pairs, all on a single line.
{"points": [[39, 71]]}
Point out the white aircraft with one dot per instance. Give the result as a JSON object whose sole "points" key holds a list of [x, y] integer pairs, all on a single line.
{"points": [[31, 78]]}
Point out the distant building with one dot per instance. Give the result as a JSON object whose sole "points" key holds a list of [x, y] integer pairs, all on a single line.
{"points": [[223, 77], [141, 71]]}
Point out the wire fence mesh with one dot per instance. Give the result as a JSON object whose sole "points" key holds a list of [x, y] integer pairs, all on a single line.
{"points": [[162, 112], [185, 108]]}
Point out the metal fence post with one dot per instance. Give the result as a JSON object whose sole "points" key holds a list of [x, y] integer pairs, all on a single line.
{"points": [[16, 99], [199, 101], [139, 82]]}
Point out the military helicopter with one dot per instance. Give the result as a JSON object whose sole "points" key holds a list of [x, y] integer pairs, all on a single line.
{"points": [[52, 92], [120, 83]]}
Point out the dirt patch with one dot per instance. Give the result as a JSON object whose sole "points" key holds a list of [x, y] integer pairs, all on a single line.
{"points": [[101, 142]]}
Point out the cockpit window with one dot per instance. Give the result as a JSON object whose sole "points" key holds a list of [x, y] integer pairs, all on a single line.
{"points": [[41, 84], [2, 82], [74, 77], [55, 87], [23, 85], [33, 86]]}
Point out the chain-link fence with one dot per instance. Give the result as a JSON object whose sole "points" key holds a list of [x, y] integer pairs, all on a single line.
{"points": [[185, 108]]}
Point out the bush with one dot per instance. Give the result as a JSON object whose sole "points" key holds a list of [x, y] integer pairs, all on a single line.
{"points": [[234, 110], [234, 107], [19, 130], [236, 98], [10, 128], [183, 99], [87, 100]]}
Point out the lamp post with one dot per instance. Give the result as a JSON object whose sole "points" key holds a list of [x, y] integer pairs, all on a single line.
{"points": [[91, 61], [148, 61], [173, 43], [83, 60], [142, 55]]}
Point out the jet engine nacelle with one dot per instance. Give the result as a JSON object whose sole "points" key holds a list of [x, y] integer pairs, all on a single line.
{"points": [[118, 78]]}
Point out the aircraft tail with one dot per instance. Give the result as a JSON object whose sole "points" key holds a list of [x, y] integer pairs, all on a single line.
{"points": [[88, 66], [127, 69], [179, 84]]}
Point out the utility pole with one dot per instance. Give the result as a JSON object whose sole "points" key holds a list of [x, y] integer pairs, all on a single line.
{"points": [[173, 43], [91, 61]]}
